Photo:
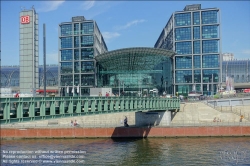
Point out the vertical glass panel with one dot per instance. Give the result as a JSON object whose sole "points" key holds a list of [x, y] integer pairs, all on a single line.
{"points": [[207, 75], [182, 19], [76, 79], [77, 67], [66, 30], [183, 47], [85, 91], [197, 76], [76, 41], [196, 33], [66, 55], [87, 28], [183, 62], [198, 87], [209, 17], [76, 54], [66, 80], [196, 18], [87, 53], [66, 67], [210, 61], [183, 89], [197, 49], [183, 76], [209, 32], [197, 61], [87, 40], [66, 42], [76, 29], [87, 80], [183, 34], [87, 66], [210, 46]]}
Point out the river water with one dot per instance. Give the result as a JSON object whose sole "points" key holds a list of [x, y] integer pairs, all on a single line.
{"points": [[132, 152]]}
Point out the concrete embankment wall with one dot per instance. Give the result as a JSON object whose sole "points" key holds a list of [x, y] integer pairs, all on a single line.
{"points": [[74, 132]]}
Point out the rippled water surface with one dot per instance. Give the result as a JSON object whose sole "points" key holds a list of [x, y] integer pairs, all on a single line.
{"points": [[149, 151]]}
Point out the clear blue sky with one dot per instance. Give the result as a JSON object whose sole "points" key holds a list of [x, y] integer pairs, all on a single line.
{"points": [[122, 23]]}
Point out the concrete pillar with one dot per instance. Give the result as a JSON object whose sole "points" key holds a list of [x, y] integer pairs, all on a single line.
{"points": [[154, 118]]}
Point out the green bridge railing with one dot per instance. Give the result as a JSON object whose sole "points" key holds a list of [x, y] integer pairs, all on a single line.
{"points": [[40, 108]]}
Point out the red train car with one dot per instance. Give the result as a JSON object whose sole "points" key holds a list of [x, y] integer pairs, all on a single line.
{"points": [[246, 90]]}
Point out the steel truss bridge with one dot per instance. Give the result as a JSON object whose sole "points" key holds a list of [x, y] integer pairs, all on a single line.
{"points": [[41, 108]]}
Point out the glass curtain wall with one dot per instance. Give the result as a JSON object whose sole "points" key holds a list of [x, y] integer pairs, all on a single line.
{"points": [[197, 63], [77, 56]]}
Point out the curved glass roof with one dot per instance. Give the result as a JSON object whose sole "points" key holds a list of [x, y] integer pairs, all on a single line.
{"points": [[10, 75], [133, 59]]}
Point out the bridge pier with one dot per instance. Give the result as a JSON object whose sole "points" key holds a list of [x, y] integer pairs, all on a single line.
{"points": [[153, 118]]}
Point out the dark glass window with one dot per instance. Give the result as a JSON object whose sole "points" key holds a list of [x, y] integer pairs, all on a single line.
{"points": [[87, 66], [183, 62], [87, 28], [66, 42], [183, 34], [87, 41], [196, 18], [87, 53], [66, 67], [210, 61], [183, 76], [77, 67], [209, 32], [76, 29], [197, 49], [196, 34], [182, 19], [66, 55], [76, 79], [76, 54], [209, 17], [183, 47], [87, 80], [197, 76], [197, 61], [207, 75], [210, 46], [66, 30], [76, 41], [66, 80], [183, 89]]}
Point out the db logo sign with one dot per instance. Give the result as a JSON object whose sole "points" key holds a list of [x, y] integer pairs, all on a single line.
{"points": [[25, 19]]}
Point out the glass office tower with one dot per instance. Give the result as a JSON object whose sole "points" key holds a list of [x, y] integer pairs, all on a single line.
{"points": [[194, 34], [79, 42]]}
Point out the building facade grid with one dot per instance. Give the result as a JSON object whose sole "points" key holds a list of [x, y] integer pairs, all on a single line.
{"points": [[79, 42], [196, 41]]}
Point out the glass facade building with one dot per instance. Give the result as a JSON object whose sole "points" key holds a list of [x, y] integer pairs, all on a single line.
{"points": [[135, 71], [28, 51], [80, 41], [239, 70], [194, 34]]}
